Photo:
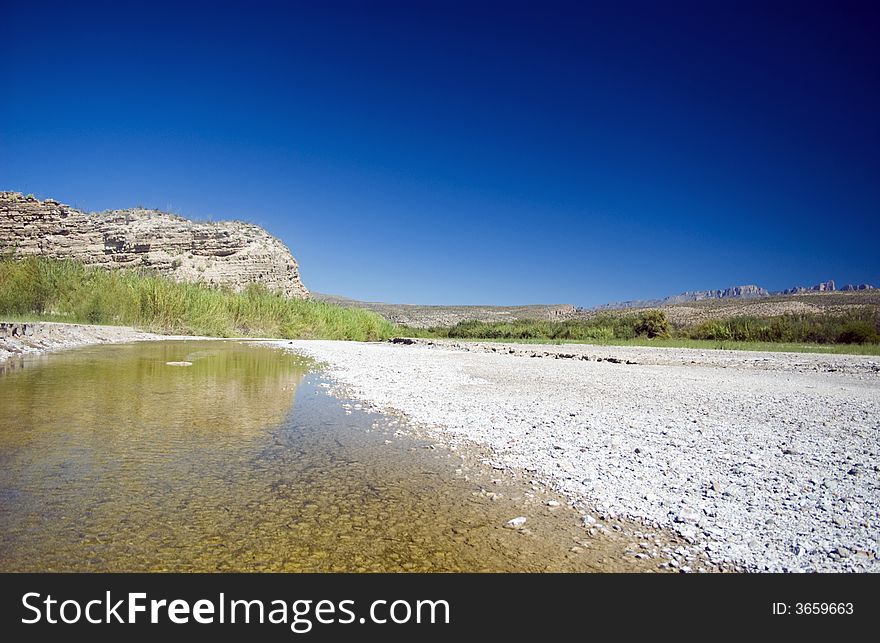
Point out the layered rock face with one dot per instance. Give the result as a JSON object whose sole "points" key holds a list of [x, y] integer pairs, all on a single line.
{"points": [[742, 292], [825, 286], [228, 253], [734, 292]]}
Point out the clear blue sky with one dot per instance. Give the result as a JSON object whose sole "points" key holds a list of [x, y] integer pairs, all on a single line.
{"points": [[442, 152]]}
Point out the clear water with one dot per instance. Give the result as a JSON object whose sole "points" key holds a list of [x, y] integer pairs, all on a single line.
{"points": [[113, 460]]}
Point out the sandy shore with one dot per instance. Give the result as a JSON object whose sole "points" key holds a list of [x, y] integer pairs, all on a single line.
{"points": [[768, 460]]}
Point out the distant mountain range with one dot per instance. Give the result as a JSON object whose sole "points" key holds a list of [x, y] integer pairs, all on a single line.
{"points": [[748, 297], [749, 291]]}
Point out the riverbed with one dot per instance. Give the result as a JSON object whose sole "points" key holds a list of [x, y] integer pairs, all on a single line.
{"points": [[768, 461], [231, 456]]}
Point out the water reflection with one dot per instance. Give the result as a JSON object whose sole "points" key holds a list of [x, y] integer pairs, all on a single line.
{"points": [[113, 460], [110, 441]]}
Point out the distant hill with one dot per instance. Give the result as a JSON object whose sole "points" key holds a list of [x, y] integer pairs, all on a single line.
{"points": [[804, 302], [734, 292], [827, 286], [426, 316], [682, 309]]}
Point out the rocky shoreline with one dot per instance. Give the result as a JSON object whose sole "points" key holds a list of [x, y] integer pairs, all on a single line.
{"points": [[763, 460], [753, 360], [22, 339]]}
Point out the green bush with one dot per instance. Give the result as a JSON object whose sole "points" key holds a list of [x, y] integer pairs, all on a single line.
{"points": [[600, 328], [652, 323], [858, 332], [713, 330], [858, 327], [861, 326]]}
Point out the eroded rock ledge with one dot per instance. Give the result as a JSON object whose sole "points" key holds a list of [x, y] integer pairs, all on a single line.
{"points": [[227, 253]]}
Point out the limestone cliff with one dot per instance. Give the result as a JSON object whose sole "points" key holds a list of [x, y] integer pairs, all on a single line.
{"points": [[228, 253], [734, 292]]}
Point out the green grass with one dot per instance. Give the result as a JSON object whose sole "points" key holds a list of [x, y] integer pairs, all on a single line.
{"points": [[705, 344], [856, 332], [35, 289], [49, 290]]}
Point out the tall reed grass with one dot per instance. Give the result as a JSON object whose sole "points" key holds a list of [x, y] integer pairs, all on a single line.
{"points": [[41, 288]]}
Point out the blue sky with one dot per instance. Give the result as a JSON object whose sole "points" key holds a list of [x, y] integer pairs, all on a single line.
{"points": [[465, 153]]}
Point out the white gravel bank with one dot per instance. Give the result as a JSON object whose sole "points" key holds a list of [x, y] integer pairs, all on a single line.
{"points": [[769, 460]]}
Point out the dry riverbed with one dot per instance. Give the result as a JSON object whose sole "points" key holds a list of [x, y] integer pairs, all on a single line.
{"points": [[764, 460]]}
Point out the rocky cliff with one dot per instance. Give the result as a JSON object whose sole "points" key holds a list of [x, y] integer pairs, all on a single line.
{"points": [[826, 286], [228, 253], [734, 292]]}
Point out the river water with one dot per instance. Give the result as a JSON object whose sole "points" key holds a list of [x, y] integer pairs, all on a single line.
{"points": [[229, 456]]}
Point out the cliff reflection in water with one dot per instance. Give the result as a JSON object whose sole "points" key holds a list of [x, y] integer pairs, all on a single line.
{"points": [[111, 441]]}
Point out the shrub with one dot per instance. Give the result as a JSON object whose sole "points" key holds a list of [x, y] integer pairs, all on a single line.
{"points": [[860, 326], [711, 329], [858, 332], [855, 327], [652, 323]]}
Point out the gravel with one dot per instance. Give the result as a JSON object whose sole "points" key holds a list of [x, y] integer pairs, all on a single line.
{"points": [[764, 460]]}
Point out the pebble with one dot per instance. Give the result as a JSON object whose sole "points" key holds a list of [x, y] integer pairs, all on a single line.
{"points": [[686, 514], [516, 523], [689, 532]]}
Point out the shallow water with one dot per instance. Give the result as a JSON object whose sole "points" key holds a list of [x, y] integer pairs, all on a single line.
{"points": [[112, 459]]}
